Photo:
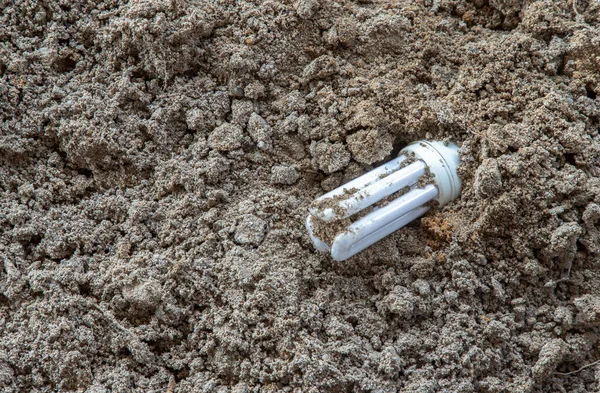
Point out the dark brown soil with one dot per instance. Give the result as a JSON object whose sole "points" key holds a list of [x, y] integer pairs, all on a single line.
{"points": [[157, 159]]}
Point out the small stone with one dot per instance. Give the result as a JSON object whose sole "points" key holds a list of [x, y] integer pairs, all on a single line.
{"points": [[226, 137], [250, 230], [281, 174]]}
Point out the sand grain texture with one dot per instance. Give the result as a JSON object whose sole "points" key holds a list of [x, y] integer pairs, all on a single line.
{"points": [[157, 159]]}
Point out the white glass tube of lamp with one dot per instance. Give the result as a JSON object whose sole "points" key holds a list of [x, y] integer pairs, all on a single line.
{"points": [[440, 159]]}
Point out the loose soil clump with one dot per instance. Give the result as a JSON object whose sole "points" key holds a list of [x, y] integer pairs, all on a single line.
{"points": [[157, 160]]}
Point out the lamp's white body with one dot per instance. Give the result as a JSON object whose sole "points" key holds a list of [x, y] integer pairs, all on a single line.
{"points": [[438, 159]]}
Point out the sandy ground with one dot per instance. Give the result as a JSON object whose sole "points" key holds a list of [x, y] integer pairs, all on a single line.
{"points": [[157, 159]]}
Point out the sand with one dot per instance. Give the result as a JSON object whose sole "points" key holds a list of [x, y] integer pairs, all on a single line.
{"points": [[157, 159]]}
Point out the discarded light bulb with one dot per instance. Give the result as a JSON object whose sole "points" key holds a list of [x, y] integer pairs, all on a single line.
{"points": [[438, 159]]}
